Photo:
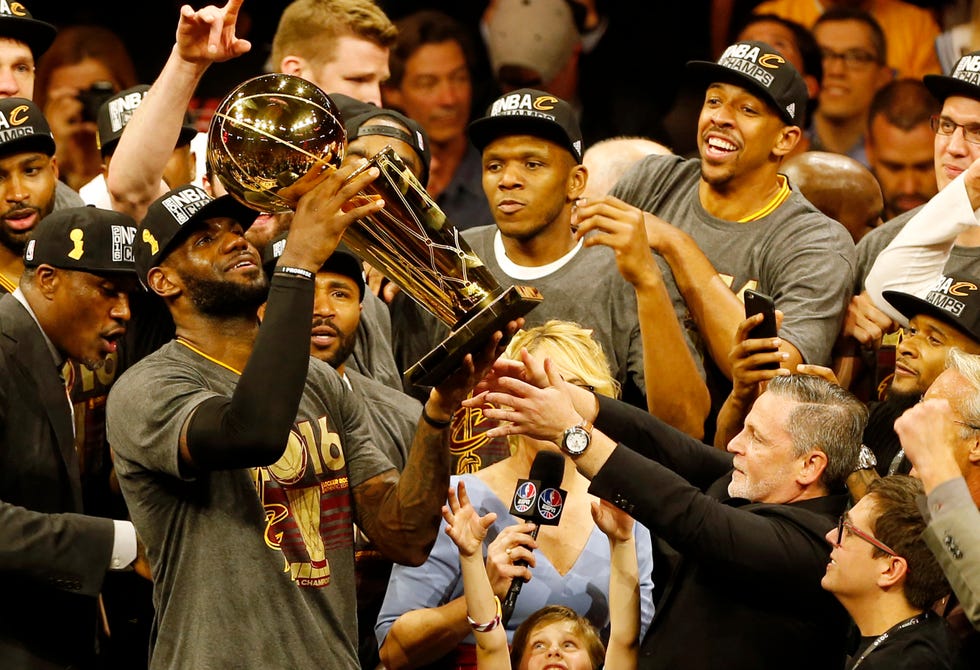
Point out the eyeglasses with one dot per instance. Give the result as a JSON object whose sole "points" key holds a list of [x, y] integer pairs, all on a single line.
{"points": [[852, 58], [843, 524], [943, 125]]}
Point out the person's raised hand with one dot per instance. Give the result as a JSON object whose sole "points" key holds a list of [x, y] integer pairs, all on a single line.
{"points": [[865, 323], [323, 213], [207, 35], [749, 355], [464, 525], [525, 409], [612, 521], [450, 393], [929, 432], [621, 227]]}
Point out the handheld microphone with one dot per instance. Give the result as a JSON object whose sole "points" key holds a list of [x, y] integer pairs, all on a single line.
{"points": [[539, 499]]}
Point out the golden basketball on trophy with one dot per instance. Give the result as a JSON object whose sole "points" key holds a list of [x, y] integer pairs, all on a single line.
{"points": [[273, 129]]}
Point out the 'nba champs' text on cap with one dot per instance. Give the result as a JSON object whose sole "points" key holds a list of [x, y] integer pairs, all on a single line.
{"points": [[170, 216], [23, 128], [116, 112], [963, 79], [528, 111], [759, 68], [17, 23], [87, 239], [953, 300]]}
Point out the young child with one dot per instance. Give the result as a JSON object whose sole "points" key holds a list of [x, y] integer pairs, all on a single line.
{"points": [[554, 633]]}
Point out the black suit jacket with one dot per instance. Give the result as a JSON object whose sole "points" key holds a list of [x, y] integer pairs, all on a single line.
{"points": [[745, 590], [52, 558]]}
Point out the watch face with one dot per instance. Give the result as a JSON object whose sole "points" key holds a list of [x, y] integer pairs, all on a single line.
{"points": [[576, 440]]}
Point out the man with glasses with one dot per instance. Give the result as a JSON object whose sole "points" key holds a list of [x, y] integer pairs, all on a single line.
{"points": [[853, 48], [884, 575], [912, 29]]}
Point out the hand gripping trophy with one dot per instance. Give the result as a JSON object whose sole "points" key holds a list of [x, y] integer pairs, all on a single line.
{"points": [[273, 129]]}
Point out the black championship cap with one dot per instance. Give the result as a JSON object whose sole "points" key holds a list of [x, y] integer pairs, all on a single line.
{"points": [[953, 300], [357, 114], [341, 261], [87, 239], [116, 112], [170, 215], [528, 111], [759, 68], [17, 23], [963, 79], [23, 128]]}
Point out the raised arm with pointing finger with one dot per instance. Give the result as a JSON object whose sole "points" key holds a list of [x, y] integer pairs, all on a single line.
{"points": [[204, 36]]}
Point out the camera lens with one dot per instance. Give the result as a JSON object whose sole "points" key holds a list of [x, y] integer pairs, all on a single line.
{"points": [[93, 97]]}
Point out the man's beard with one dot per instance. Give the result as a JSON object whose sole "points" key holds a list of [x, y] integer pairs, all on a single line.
{"points": [[15, 241], [902, 400], [345, 343], [213, 297]]}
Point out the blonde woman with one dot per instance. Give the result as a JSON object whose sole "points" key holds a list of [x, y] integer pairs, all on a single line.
{"points": [[423, 619]]}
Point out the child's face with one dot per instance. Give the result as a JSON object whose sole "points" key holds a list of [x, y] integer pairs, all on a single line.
{"points": [[555, 644]]}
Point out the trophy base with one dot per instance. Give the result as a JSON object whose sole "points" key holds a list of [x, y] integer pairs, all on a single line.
{"points": [[472, 335]]}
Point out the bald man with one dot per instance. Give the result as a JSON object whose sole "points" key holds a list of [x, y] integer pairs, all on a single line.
{"points": [[607, 160], [840, 187]]}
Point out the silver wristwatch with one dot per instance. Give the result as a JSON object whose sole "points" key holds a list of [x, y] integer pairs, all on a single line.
{"points": [[576, 439]]}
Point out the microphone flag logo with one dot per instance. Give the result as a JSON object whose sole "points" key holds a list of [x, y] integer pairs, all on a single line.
{"points": [[524, 497], [550, 504]]}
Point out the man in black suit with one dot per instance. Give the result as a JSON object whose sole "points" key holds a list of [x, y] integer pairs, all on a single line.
{"points": [[746, 528], [72, 303]]}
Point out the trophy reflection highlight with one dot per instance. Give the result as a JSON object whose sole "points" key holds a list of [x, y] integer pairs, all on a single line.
{"points": [[274, 129]]}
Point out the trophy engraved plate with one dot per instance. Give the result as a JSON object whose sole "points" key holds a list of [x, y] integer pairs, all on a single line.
{"points": [[273, 129]]}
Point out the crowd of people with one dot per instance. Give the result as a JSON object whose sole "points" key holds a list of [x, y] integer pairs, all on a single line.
{"points": [[216, 451]]}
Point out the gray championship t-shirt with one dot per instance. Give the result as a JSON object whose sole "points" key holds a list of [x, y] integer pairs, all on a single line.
{"points": [[588, 290], [796, 254], [252, 568]]}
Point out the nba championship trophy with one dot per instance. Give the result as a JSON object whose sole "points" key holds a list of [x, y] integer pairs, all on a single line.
{"points": [[274, 129]]}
